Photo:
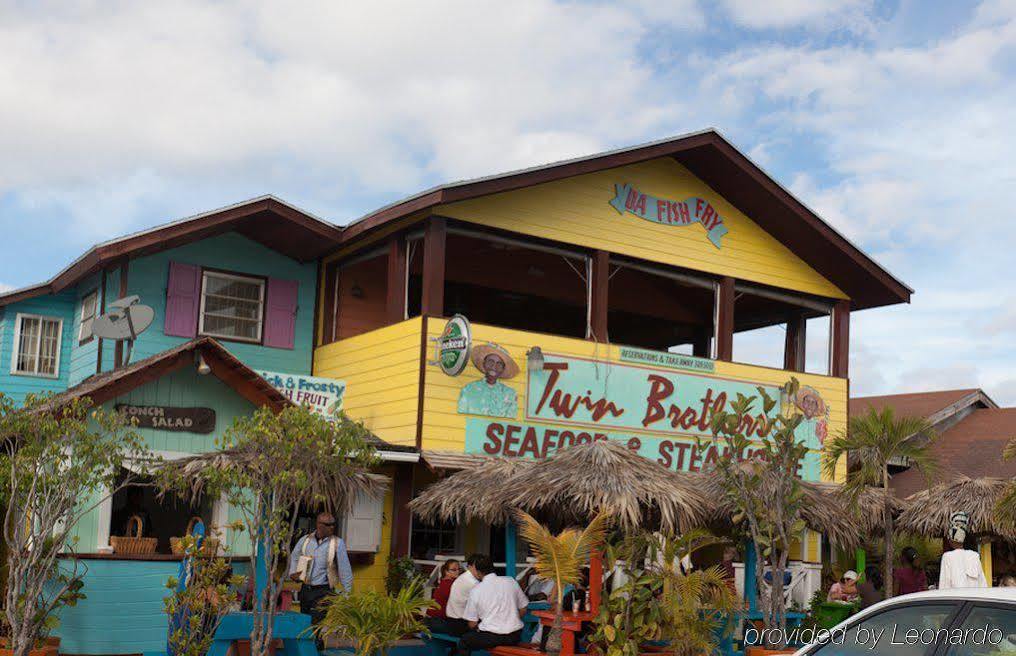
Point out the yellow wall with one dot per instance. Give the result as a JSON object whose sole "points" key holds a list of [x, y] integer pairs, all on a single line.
{"points": [[444, 427], [577, 211], [381, 370]]}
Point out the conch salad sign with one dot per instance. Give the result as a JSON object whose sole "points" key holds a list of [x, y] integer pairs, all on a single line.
{"points": [[660, 413], [669, 212]]}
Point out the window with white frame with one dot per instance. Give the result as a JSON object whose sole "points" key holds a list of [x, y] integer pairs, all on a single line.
{"points": [[89, 306], [232, 306], [36, 346]]}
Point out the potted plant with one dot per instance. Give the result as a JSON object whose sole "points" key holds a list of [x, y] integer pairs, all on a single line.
{"points": [[374, 621], [631, 615], [197, 604], [764, 492], [697, 604], [560, 558], [60, 461]]}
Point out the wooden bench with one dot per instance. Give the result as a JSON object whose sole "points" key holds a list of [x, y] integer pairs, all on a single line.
{"points": [[440, 644]]}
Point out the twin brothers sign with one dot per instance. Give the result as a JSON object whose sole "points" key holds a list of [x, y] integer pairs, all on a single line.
{"points": [[662, 414]]}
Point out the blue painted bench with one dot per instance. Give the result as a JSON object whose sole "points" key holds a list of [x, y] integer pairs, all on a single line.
{"points": [[440, 644], [292, 628]]}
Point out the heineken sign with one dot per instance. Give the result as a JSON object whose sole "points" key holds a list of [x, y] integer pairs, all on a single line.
{"points": [[453, 346]]}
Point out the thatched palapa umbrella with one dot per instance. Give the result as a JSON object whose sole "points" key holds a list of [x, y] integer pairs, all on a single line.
{"points": [[579, 482], [338, 492], [469, 493], [824, 509], [930, 510]]}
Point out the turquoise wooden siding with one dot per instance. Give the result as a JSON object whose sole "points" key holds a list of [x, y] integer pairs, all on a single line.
{"points": [[122, 612], [148, 277], [183, 388], [60, 306], [82, 363]]}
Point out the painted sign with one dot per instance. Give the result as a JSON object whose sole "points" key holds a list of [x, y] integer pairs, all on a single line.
{"points": [[623, 397], [506, 438], [669, 212], [665, 359], [177, 420], [323, 395], [489, 396], [453, 346]]}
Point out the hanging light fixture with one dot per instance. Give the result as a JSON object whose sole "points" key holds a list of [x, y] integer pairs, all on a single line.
{"points": [[534, 359]]}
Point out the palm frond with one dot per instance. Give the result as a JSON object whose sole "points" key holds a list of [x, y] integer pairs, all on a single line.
{"points": [[560, 557]]}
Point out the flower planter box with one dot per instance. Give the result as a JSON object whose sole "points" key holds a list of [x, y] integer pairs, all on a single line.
{"points": [[50, 647], [762, 651]]}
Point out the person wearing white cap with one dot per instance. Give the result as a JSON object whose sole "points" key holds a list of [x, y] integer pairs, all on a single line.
{"points": [[961, 568], [846, 589]]}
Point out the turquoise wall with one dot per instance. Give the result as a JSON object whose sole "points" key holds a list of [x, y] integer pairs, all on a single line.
{"points": [[148, 277], [183, 388], [122, 612], [59, 305]]}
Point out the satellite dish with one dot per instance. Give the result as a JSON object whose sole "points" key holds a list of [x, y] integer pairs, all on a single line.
{"points": [[124, 321]]}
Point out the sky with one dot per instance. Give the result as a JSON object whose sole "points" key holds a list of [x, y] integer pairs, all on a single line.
{"points": [[892, 120]]}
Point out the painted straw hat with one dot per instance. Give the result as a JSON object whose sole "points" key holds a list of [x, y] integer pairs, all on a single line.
{"points": [[480, 353]]}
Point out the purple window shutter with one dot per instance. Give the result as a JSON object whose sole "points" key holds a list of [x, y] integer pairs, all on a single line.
{"points": [[183, 295], [280, 313]]}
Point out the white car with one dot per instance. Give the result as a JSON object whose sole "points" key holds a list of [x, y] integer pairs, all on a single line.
{"points": [[960, 622]]}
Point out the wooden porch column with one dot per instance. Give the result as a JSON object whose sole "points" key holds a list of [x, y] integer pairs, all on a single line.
{"points": [[839, 340], [402, 518], [794, 344], [599, 298], [329, 319], [700, 345], [724, 339], [396, 302], [434, 237]]}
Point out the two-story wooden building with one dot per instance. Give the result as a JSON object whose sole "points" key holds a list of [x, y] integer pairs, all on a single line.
{"points": [[605, 298], [605, 295]]}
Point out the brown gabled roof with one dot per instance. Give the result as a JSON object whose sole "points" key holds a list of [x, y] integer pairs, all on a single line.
{"points": [[933, 406], [224, 365], [973, 448], [723, 167], [266, 220]]}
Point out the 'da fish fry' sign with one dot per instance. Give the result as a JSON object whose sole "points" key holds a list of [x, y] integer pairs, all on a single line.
{"points": [[669, 212]]}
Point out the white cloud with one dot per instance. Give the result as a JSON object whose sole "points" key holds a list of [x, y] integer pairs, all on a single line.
{"points": [[793, 13], [380, 99]]}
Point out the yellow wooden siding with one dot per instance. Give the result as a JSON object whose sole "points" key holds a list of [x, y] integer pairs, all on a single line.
{"points": [[444, 428], [381, 370], [577, 211]]}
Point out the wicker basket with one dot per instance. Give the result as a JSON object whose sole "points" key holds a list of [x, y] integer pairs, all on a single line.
{"points": [[133, 544], [209, 545]]}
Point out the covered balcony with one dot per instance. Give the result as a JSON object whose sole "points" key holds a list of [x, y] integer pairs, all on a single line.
{"points": [[524, 283]]}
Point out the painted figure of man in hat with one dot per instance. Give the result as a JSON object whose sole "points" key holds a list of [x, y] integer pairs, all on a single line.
{"points": [[489, 396]]}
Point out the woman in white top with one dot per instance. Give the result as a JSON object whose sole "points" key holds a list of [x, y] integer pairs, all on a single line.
{"points": [[961, 568]]}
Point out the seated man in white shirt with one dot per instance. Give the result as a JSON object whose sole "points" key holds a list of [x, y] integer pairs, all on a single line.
{"points": [[453, 623], [494, 610]]}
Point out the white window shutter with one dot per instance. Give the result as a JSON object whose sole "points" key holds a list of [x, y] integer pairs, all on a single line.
{"points": [[363, 524]]}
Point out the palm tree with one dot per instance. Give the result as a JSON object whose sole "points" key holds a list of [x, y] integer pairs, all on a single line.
{"points": [[560, 558], [871, 443]]}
